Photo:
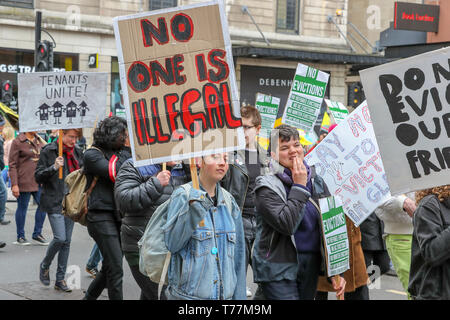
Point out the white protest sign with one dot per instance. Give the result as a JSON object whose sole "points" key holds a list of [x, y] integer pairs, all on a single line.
{"points": [[268, 109], [409, 101], [61, 100], [335, 234], [337, 110], [349, 161], [305, 99]]}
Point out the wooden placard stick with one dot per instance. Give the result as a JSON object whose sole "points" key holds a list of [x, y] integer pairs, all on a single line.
{"points": [[60, 151], [164, 166], [337, 279], [194, 175]]}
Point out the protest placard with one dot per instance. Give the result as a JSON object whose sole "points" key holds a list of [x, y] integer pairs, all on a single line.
{"points": [[268, 109], [305, 97], [349, 161], [337, 110], [179, 87], [61, 100], [335, 235], [409, 102]]}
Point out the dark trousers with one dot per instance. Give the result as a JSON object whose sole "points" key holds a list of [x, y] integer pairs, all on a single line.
{"points": [[361, 293], [304, 288], [379, 258], [149, 289], [249, 223], [107, 236]]}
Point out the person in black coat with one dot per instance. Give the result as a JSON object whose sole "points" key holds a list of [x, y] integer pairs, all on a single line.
{"points": [[138, 193], [53, 190], [429, 277], [110, 150]]}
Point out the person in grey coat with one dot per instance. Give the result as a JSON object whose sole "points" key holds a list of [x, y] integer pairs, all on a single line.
{"points": [[429, 277]]}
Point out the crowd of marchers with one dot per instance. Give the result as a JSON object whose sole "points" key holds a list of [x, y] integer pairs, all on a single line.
{"points": [[254, 208]]}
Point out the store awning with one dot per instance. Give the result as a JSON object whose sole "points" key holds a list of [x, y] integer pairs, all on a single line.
{"points": [[300, 55]]}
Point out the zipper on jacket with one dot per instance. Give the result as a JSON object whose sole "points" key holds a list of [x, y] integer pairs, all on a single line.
{"points": [[270, 244], [217, 256]]}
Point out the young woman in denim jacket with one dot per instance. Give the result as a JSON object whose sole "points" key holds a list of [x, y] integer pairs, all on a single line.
{"points": [[205, 239]]}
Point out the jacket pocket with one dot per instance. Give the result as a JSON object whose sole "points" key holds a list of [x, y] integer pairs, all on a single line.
{"points": [[231, 243], [201, 242]]}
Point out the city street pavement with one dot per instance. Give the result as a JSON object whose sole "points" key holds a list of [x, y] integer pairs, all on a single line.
{"points": [[19, 267]]}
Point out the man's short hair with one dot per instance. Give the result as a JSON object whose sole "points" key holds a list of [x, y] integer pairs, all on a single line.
{"points": [[250, 112], [284, 133]]}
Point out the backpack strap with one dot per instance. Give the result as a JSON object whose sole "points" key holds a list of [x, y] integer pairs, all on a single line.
{"points": [[163, 274]]}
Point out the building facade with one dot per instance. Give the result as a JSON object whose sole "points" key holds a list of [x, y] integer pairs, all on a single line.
{"points": [[269, 39]]}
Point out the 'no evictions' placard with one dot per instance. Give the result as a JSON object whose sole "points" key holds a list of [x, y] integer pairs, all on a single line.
{"points": [[305, 98], [349, 161], [335, 234], [409, 101], [61, 100], [180, 92], [268, 108], [337, 110]]}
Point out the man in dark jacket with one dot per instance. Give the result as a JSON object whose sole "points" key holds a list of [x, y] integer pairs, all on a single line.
{"points": [[53, 190], [245, 166], [138, 193], [288, 255]]}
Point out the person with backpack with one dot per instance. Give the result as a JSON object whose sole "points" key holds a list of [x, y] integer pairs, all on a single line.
{"points": [[109, 151], [53, 190], [205, 236], [138, 193]]}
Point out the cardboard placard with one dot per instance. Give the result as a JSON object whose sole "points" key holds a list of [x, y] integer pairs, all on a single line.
{"points": [[350, 163], [409, 102], [305, 97], [177, 74], [335, 235], [337, 109], [61, 100], [268, 109]]}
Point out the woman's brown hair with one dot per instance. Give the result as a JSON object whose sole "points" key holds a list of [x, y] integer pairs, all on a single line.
{"points": [[442, 192]]}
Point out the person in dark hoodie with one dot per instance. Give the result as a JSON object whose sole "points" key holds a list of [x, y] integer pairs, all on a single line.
{"points": [[110, 150], [139, 191], [288, 255]]}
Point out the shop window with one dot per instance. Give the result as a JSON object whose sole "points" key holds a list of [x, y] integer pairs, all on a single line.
{"points": [[18, 3], [288, 12], [161, 4]]}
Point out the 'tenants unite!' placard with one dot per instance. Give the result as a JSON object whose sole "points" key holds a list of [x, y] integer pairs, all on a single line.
{"points": [[409, 102], [180, 90], [61, 100]]}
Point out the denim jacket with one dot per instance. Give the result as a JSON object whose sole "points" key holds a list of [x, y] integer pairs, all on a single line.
{"points": [[207, 246]]}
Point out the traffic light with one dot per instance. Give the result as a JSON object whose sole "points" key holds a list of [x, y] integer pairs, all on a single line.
{"points": [[355, 94], [7, 91], [44, 52]]}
